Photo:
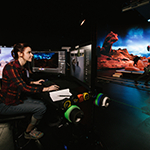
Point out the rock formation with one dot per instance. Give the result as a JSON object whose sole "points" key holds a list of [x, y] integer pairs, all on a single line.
{"points": [[109, 40], [117, 59]]}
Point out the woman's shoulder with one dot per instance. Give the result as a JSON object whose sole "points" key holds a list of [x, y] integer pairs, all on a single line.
{"points": [[10, 64]]}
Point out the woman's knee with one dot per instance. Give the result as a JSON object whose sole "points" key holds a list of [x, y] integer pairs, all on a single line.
{"points": [[37, 105], [43, 108], [39, 111]]}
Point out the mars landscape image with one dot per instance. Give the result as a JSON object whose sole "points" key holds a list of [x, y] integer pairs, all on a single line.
{"points": [[114, 52]]}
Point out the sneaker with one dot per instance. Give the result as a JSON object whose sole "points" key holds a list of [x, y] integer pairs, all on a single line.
{"points": [[33, 135]]}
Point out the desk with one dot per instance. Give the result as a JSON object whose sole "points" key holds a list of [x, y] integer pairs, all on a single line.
{"points": [[74, 87]]}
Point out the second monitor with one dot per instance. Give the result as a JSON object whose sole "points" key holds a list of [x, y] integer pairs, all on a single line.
{"points": [[83, 65], [49, 61]]}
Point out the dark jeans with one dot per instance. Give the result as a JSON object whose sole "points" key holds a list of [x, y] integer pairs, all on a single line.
{"points": [[35, 107]]}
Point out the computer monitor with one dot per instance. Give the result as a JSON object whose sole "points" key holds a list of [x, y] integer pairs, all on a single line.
{"points": [[83, 65], [49, 61], [5, 57]]}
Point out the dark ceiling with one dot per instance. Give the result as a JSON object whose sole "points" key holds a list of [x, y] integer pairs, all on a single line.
{"points": [[50, 24]]}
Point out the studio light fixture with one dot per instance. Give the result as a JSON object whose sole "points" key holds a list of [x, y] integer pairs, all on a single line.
{"points": [[135, 4], [148, 20], [82, 22], [82, 19]]}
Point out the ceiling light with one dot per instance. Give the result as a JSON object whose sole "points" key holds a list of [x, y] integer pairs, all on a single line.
{"points": [[82, 22]]}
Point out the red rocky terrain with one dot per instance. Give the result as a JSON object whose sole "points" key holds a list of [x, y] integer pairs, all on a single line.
{"points": [[117, 59]]}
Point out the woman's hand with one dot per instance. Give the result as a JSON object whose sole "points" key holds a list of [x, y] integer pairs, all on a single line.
{"points": [[51, 88], [39, 82]]}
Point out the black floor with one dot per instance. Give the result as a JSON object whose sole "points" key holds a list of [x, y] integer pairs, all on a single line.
{"points": [[124, 125]]}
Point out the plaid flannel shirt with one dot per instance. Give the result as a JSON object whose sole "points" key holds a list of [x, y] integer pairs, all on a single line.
{"points": [[14, 83]]}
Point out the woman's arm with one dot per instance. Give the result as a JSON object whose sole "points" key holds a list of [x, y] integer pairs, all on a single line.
{"points": [[45, 89], [39, 82], [50, 88]]}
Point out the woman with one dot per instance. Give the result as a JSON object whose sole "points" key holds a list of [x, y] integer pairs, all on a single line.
{"points": [[14, 86]]}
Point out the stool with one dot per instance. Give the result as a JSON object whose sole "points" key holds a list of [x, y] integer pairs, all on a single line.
{"points": [[13, 121], [7, 118]]}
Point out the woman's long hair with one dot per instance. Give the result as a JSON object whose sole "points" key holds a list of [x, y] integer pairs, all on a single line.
{"points": [[19, 47]]}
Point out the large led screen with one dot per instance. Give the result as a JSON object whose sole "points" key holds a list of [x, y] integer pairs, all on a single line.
{"points": [[118, 47]]}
